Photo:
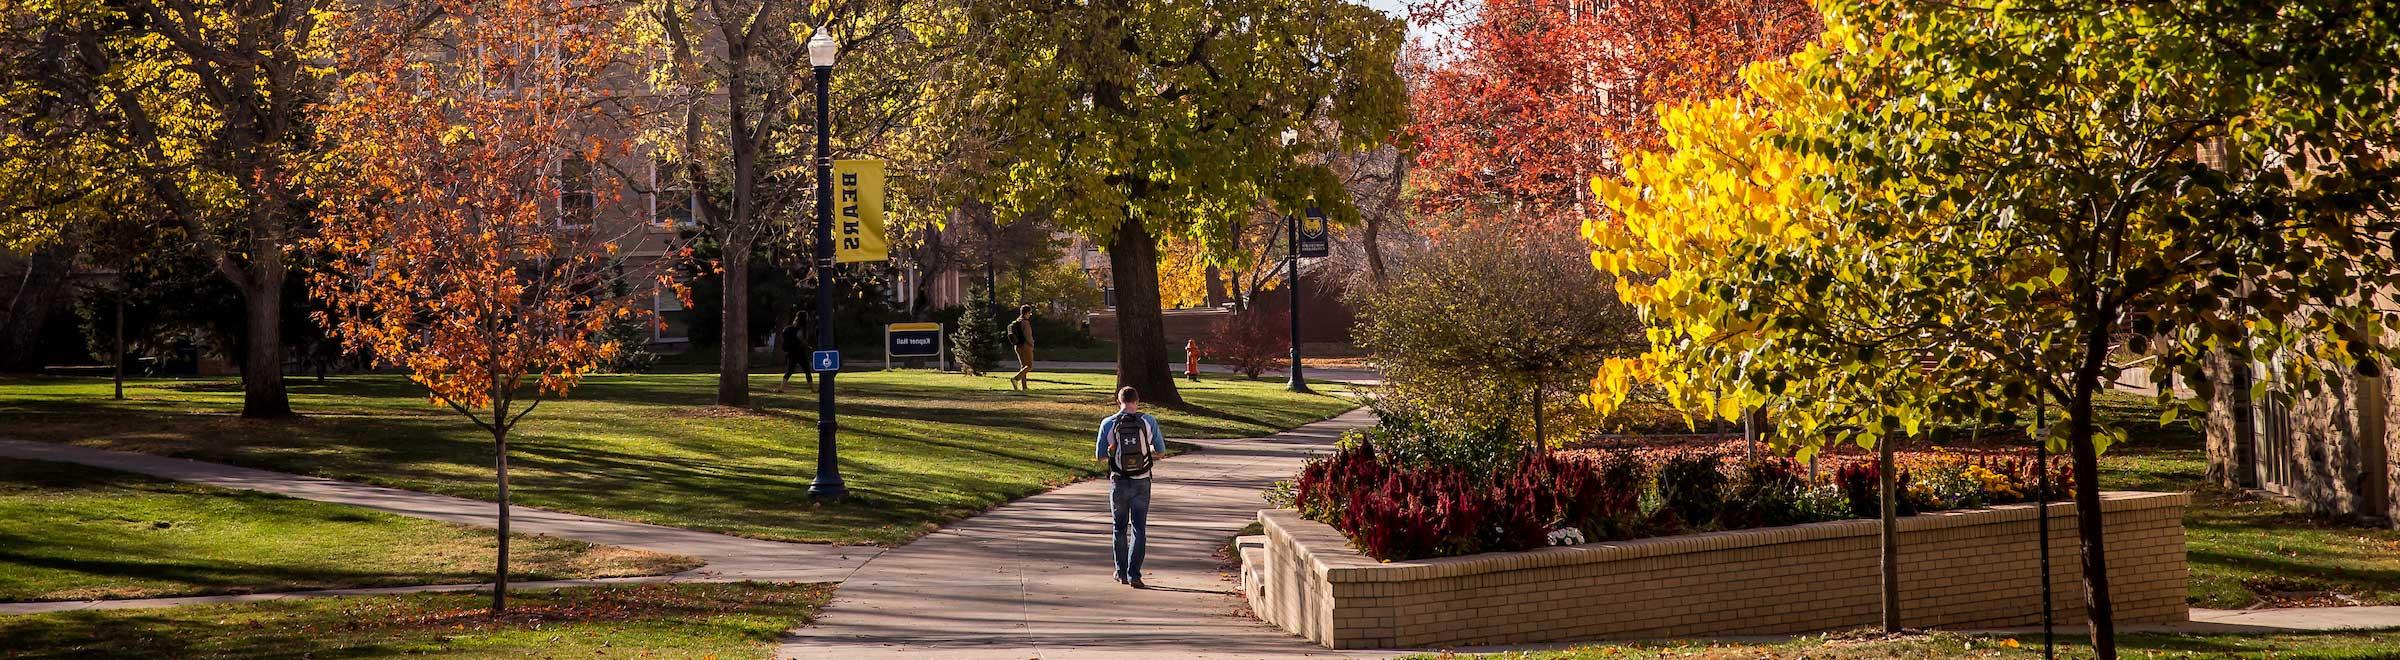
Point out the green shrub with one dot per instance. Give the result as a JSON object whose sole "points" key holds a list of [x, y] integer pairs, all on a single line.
{"points": [[1404, 439], [1691, 488], [1478, 328], [1765, 493]]}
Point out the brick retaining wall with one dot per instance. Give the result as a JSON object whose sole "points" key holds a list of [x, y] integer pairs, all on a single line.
{"points": [[1958, 569]]}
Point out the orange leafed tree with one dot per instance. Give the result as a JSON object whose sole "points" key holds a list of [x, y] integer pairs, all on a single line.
{"points": [[458, 212], [1524, 103]]}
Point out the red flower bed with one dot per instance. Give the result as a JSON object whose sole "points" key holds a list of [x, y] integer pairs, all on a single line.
{"points": [[1396, 511]]}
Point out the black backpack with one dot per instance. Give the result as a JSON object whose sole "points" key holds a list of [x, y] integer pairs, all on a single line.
{"points": [[1130, 453]]}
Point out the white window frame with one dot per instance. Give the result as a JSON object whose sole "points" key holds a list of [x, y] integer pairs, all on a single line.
{"points": [[660, 299], [660, 192]]}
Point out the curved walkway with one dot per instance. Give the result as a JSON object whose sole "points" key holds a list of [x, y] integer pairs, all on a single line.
{"points": [[1347, 375], [729, 558], [1032, 579], [1025, 580]]}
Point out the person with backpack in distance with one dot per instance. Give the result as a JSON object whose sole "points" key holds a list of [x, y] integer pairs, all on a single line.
{"points": [[1130, 444], [793, 339], [1020, 333]]}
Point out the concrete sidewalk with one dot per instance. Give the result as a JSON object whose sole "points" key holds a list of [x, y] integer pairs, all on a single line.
{"points": [[730, 558], [2264, 621], [1367, 377], [1032, 579]]}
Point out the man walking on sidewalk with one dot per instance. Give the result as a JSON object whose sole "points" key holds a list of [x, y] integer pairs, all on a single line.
{"points": [[1130, 444]]}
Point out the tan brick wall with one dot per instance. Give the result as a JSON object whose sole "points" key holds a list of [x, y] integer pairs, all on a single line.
{"points": [[1959, 570]]}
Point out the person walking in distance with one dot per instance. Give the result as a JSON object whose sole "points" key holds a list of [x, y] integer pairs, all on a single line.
{"points": [[794, 341], [1130, 444], [1020, 333]]}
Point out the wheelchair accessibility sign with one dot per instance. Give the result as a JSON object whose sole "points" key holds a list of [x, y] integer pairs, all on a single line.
{"points": [[825, 361]]}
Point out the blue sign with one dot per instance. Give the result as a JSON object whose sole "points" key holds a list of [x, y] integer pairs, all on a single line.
{"points": [[1314, 239], [825, 361]]}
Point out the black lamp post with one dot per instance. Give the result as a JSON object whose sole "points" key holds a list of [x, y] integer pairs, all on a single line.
{"points": [[828, 483], [1291, 263]]}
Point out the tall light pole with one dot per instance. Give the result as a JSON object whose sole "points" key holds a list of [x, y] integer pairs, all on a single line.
{"points": [[828, 483], [1291, 263]]}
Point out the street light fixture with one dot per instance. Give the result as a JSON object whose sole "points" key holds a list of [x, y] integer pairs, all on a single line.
{"points": [[828, 483], [1291, 264]]}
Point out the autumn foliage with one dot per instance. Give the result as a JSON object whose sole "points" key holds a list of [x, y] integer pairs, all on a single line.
{"points": [[1514, 115], [449, 253], [1251, 341], [454, 191]]}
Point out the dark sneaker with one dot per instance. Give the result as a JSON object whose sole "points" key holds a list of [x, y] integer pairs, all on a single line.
{"points": [[1120, 579], [1137, 584]]}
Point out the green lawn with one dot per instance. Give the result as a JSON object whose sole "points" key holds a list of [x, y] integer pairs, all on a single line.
{"points": [[650, 621], [2360, 645], [69, 532], [2245, 551], [918, 448]]}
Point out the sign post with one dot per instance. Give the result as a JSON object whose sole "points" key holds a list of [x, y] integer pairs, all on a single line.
{"points": [[913, 340], [1309, 239]]}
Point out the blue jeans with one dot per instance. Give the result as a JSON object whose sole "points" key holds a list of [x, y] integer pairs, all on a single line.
{"points": [[1129, 506]]}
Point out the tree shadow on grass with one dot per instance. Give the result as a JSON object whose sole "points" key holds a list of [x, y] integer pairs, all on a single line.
{"points": [[385, 626], [201, 577]]}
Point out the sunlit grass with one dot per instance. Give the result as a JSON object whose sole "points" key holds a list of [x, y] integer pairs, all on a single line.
{"points": [[646, 621], [918, 448], [72, 533]]}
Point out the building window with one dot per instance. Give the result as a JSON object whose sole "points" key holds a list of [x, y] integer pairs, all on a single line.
{"points": [[671, 322], [576, 199], [672, 205]]}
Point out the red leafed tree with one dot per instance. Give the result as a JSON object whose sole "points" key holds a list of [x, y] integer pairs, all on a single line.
{"points": [[1250, 341], [1526, 100], [458, 232]]}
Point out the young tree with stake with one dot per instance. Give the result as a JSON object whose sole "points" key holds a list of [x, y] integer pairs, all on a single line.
{"points": [[451, 242]]}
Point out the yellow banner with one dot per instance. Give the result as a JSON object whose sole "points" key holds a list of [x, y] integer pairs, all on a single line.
{"points": [[858, 212]]}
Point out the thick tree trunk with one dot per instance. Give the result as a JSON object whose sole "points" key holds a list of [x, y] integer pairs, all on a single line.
{"points": [[733, 340], [263, 394], [1891, 533], [1141, 327], [2096, 600], [34, 282]]}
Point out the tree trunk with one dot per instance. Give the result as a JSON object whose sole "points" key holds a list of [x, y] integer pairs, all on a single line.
{"points": [[1538, 442], [117, 359], [1372, 242], [32, 295], [733, 339], [500, 572], [263, 395], [2096, 600], [1141, 328], [1891, 533], [1754, 429]]}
